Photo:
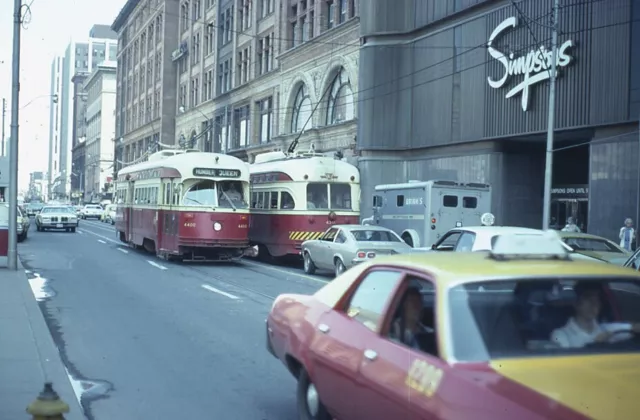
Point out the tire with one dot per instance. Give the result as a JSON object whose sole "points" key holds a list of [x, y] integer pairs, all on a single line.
{"points": [[73, 230], [309, 266], [22, 237], [38, 228], [339, 267], [305, 412]]}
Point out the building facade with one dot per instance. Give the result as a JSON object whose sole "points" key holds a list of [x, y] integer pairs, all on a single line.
{"points": [[55, 125], [250, 83], [78, 57], [100, 88], [319, 75], [37, 186], [79, 132], [459, 92], [148, 31], [228, 80]]}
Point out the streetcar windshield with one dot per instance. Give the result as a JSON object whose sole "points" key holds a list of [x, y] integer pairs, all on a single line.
{"points": [[230, 194], [322, 195], [211, 193]]}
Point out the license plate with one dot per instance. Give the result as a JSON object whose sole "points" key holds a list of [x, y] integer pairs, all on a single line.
{"points": [[59, 225]]}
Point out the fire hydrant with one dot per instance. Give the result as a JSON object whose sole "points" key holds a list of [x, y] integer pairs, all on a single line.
{"points": [[48, 405]]}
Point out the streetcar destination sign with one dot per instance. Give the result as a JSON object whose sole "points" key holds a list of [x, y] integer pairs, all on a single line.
{"points": [[216, 173], [535, 66]]}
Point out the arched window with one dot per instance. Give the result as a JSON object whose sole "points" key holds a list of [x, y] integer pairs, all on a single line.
{"points": [[340, 106], [301, 110]]}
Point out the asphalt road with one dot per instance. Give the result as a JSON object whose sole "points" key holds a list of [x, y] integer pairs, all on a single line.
{"points": [[145, 338]]}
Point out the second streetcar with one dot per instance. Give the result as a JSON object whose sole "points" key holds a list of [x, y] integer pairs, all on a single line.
{"points": [[295, 198]]}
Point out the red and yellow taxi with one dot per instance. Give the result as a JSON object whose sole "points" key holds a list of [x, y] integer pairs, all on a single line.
{"points": [[521, 332]]}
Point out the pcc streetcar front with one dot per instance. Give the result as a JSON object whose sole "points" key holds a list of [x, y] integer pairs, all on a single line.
{"points": [[191, 206], [294, 199]]}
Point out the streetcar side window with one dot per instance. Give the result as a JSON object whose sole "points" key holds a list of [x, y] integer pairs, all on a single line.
{"points": [[286, 201], [274, 200], [317, 196], [167, 193], [260, 200], [340, 196]]}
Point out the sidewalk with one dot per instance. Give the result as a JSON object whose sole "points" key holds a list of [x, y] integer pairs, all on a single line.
{"points": [[28, 355]]}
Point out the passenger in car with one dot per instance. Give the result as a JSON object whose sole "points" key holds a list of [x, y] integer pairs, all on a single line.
{"points": [[584, 327], [410, 317]]}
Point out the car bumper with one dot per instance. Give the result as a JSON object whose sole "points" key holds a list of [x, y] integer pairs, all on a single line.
{"points": [[58, 225]]}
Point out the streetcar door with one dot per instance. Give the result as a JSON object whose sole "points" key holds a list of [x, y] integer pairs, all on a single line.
{"points": [[130, 214]]}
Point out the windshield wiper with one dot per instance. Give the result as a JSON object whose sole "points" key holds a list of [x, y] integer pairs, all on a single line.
{"points": [[229, 200]]}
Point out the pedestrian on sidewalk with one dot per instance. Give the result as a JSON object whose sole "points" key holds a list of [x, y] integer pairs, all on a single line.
{"points": [[627, 234], [571, 226]]}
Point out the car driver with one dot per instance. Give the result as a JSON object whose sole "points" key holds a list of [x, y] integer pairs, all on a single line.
{"points": [[584, 328], [411, 314]]}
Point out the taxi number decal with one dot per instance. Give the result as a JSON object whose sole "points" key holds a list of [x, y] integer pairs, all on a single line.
{"points": [[242, 226], [424, 377], [189, 224]]}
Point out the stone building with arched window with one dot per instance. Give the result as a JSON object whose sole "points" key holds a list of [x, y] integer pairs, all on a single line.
{"points": [[318, 77]]}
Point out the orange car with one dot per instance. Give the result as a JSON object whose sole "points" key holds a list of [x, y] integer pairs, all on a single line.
{"points": [[459, 336]]}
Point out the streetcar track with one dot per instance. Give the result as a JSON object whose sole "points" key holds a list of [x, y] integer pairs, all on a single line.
{"points": [[253, 268]]}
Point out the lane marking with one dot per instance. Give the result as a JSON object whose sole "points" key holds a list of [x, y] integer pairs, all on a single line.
{"points": [[79, 231], [280, 270], [103, 237], [101, 241], [220, 292], [123, 250], [156, 265]]}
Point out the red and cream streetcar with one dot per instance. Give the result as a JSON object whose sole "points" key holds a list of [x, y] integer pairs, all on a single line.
{"points": [[185, 205], [296, 197]]}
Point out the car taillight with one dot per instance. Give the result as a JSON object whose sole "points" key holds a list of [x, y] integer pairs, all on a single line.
{"points": [[362, 254], [371, 255]]}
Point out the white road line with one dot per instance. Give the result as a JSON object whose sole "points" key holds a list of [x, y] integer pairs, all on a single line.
{"points": [[124, 251], [220, 292], [101, 241], [280, 270], [79, 231], [156, 265], [103, 237]]}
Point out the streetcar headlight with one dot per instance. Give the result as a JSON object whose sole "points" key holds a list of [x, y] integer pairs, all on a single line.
{"points": [[217, 227]]}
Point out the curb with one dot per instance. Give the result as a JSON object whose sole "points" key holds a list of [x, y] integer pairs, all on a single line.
{"points": [[53, 368]]}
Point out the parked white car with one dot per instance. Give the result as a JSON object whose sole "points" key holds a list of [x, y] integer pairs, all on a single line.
{"points": [[91, 211]]}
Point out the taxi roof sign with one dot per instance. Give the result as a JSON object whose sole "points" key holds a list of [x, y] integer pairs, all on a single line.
{"points": [[514, 246]]}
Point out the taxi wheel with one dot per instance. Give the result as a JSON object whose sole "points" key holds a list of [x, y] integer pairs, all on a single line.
{"points": [[309, 266], [309, 405]]}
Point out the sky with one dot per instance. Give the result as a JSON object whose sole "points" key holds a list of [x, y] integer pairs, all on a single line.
{"points": [[53, 24]]}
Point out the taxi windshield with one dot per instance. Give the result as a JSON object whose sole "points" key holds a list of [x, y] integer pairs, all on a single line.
{"points": [[544, 317]]}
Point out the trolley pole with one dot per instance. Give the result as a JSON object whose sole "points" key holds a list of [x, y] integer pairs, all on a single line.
{"points": [[548, 170], [12, 260], [4, 113]]}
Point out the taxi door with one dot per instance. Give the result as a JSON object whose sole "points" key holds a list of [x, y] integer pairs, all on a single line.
{"points": [[397, 381], [339, 343]]}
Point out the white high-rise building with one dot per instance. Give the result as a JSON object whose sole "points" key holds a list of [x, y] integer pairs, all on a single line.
{"points": [[101, 46], [55, 123]]}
